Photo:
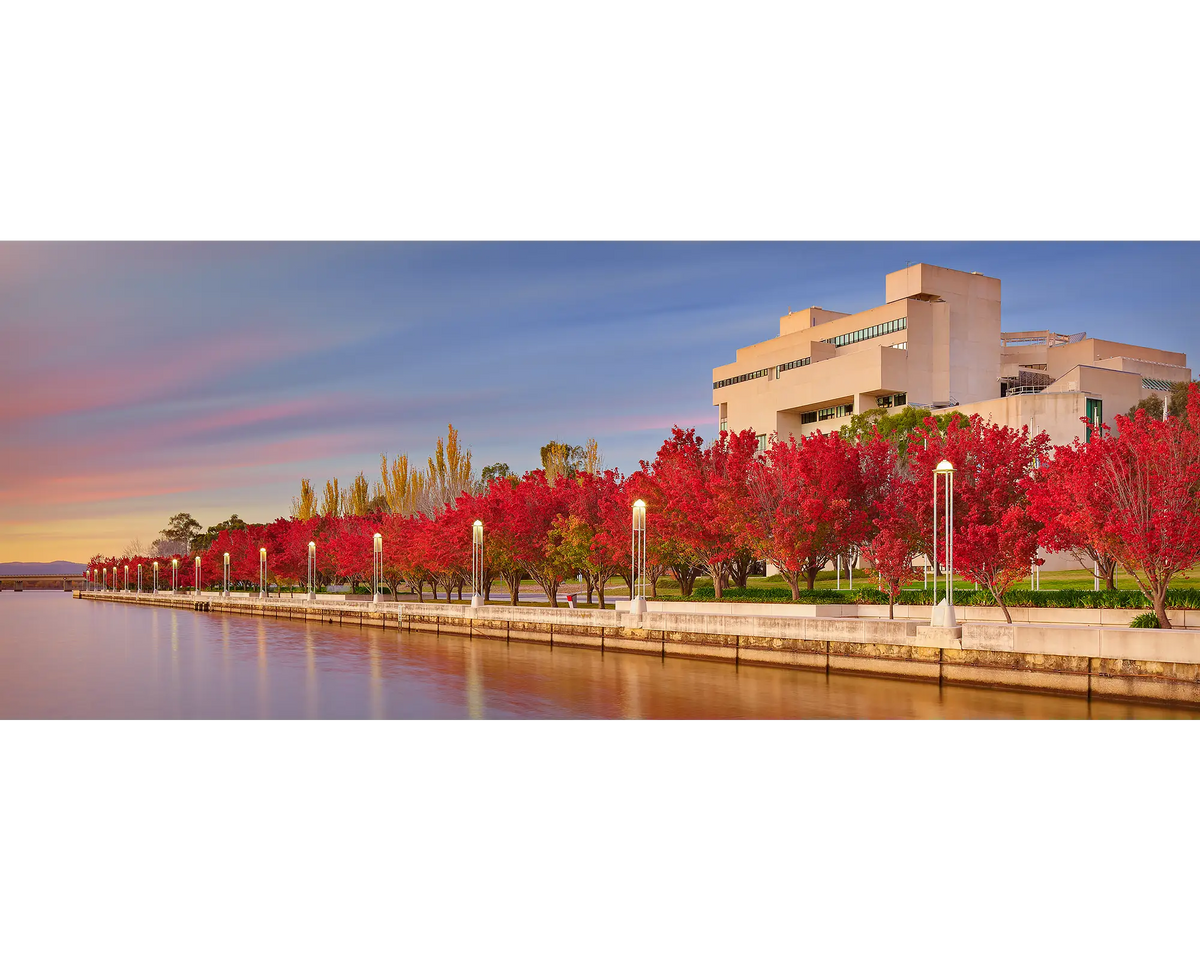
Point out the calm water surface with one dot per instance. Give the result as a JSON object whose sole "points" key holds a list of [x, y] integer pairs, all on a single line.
{"points": [[61, 657]]}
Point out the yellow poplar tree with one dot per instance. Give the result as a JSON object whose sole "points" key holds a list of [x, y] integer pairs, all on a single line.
{"points": [[304, 507], [331, 506]]}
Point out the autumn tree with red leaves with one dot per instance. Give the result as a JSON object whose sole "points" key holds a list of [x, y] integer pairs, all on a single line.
{"points": [[995, 538], [699, 494], [809, 499], [1149, 485], [1067, 499]]}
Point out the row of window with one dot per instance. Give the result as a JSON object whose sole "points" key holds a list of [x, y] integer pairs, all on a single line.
{"points": [[842, 410], [892, 400], [762, 443], [741, 379], [803, 362], [868, 333], [724, 425], [1150, 383]]}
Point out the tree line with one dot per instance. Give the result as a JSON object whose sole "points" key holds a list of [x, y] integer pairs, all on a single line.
{"points": [[1126, 498]]}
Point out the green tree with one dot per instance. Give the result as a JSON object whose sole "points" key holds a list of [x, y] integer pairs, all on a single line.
{"points": [[897, 427], [181, 529], [204, 540], [497, 471], [1176, 404]]}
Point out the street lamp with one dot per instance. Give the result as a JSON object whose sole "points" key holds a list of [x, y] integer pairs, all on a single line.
{"points": [[156, 577], [125, 589], [139, 590], [174, 575], [197, 576], [262, 573], [225, 592], [312, 569], [105, 580], [637, 595], [376, 565], [476, 563], [943, 613]]}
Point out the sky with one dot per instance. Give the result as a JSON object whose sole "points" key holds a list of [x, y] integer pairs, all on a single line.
{"points": [[143, 379]]}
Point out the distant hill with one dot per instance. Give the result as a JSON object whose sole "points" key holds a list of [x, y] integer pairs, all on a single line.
{"points": [[53, 568]]}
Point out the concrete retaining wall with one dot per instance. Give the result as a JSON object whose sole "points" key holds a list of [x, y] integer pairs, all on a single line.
{"points": [[1099, 661]]}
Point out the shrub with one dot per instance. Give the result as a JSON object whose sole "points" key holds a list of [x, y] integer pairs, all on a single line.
{"points": [[1147, 621]]}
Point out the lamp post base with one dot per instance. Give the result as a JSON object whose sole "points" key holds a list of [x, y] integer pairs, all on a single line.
{"points": [[312, 597], [477, 601], [637, 605], [943, 615], [374, 598]]}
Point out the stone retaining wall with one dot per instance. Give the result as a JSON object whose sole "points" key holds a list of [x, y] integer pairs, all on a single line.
{"points": [[1108, 662]]}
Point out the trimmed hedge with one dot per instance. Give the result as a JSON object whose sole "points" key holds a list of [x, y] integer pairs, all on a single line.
{"points": [[1186, 598]]}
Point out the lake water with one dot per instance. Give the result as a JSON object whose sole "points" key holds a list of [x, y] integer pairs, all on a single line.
{"points": [[61, 657]]}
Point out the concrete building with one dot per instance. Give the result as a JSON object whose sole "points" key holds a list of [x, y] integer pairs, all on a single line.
{"points": [[936, 342]]}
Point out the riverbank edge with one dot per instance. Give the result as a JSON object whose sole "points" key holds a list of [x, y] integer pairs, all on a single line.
{"points": [[1150, 666]]}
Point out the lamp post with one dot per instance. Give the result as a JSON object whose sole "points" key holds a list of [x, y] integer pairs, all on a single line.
{"points": [[943, 613], [125, 589], [197, 576], [262, 573], [175, 575], [139, 589], [156, 577], [225, 591], [637, 598], [477, 563], [376, 565], [312, 569], [106, 579]]}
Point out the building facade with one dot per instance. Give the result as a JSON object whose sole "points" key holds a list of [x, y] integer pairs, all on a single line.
{"points": [[936, 343]]}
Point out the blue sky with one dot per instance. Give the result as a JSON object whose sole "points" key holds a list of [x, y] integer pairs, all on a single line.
{"points": [[153, 378]]}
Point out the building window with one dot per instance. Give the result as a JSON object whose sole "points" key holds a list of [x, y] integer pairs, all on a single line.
{"points": [[842, 410], [754, 375], [724, 425], [802, 362], [869, 333], [892, 400], [762, 442], [810, 417]]}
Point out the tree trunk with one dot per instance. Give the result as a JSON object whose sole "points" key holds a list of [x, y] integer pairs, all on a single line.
{"points": [[1160, 608], [793, 581], [891, 606], [599, 593], [811, 575]]}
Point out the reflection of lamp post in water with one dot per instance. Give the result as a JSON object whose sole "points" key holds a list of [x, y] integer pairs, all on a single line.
{"points": [[637, 593], [477, 563], [312, 568], [943, 613], [376, 566]]}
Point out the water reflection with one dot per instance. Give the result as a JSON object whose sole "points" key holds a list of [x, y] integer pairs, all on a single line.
{"points": [[72, 658]]}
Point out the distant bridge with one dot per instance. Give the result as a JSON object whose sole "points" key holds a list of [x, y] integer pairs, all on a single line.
{"points": [[73, 581]]}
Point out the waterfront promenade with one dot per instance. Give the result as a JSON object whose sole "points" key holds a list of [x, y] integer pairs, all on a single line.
{"points": [[1062, 656]]}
